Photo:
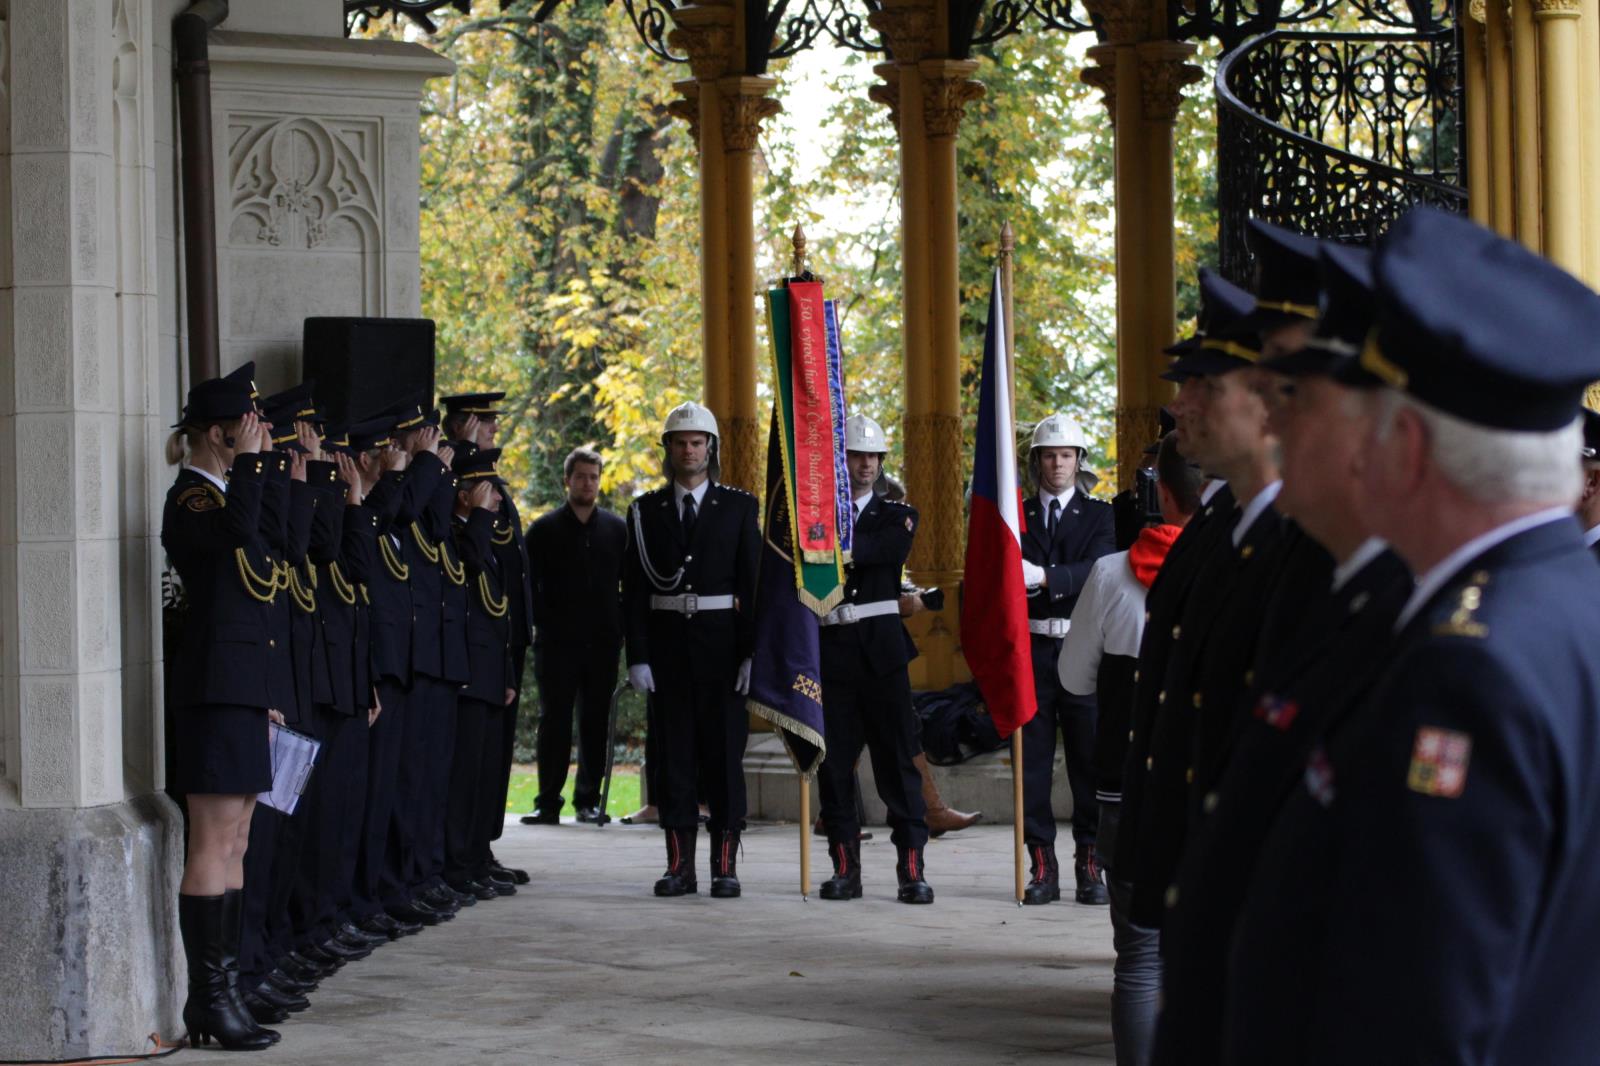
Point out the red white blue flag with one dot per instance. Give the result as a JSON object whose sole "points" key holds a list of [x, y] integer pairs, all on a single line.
{"points": [[994, 601]]}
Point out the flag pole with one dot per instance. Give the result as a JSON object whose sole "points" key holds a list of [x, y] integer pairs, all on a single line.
{"points": [[798, 240], [1008, 244]]}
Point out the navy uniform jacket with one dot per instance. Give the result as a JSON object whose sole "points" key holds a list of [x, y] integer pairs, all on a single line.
{"points": [[421, 553], [358, 558], [276, 513], [1086, 531], [1340, 656], [719, 560], [1427, 894], [511, 552], [575, 569], [214, 541], [388, 586], [878, 552], [340, 608], [488, 619], [327, 531], [454, 592]]}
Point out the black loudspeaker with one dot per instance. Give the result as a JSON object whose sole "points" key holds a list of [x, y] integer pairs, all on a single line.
{"points": [[363, 365]]}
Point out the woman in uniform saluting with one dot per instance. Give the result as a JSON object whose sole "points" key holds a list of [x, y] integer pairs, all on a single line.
{"points": [[211, 532]]}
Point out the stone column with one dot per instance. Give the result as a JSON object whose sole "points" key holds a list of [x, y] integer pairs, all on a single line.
{"points": [[1480, 177], [744, 105], [1525, 124], [1497, 85], [1588, 31], [1561, 133]]}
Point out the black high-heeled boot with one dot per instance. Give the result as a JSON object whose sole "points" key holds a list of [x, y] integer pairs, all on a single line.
{"points": [[210, 1011], [232, 921]]}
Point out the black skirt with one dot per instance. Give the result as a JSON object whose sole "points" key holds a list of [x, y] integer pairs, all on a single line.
{"points": [[221, 749]]}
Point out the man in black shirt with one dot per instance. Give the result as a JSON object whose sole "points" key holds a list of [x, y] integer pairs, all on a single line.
{"points": [[575, 566]]}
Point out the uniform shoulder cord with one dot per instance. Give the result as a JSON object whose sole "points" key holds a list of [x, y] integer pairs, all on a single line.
{"points": [[456, 572], [429, 551], [496, 609], [661, 584], [397, 569], [263, 589], [341, 585]]}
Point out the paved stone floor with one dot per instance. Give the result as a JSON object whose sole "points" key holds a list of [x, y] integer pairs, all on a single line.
{"points": [[585, 966]]}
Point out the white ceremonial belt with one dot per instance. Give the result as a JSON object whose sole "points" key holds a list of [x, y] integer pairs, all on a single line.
{"points": [[689, 603], [1050, 627], [850, 613]]}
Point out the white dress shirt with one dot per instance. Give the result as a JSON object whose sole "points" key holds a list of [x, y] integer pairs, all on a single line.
{"points": [[1254, 510], [1429, 584], [698, 492], [220, 483], [1367, 551], [1591, 535]]}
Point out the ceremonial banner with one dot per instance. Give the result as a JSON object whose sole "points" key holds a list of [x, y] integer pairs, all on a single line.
{"points": [[994, 601], [815, 468], [841, 476], [818, 575], [786, 670]]}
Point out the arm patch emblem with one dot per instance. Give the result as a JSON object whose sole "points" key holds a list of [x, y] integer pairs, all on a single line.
{"points": [[200, 498]]}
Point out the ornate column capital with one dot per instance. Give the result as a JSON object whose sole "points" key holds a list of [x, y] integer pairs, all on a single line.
{"points": [[1162, 76], [1556, 9], [687, 107], [1124, 20], [1103, 75], [704, 32], [1475, 9], [947, 88], [906, 27], [744, 105], [887, 92]]}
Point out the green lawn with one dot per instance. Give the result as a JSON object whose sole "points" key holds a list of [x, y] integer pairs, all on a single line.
{"points": [[525, 786]]}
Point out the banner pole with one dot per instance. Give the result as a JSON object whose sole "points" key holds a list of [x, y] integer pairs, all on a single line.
{"points": [[805, 837]]}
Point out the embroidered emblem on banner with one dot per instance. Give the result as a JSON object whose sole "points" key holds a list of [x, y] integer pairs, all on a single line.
{"points": [[1277, 712], [1439, 760], [1319, 776]]}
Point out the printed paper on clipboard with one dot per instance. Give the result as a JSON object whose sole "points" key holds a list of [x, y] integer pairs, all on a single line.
{"points": [[293, 756]]}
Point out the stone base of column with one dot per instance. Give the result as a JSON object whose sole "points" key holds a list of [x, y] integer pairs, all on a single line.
{"points": [[92, 964]]}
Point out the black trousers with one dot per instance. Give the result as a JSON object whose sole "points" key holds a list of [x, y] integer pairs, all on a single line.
{"points": [[427, 745], [332, 804], [872, 710], [472, 793], [508, 737], [701, 730], [585, 676], [376, 883], [260, 857], [1073, 717]]}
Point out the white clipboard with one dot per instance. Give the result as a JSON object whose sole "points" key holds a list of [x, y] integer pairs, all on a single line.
{"points": [[293, 756]]}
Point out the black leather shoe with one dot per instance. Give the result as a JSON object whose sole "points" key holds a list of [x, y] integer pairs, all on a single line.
{"points": [[411, 914], [357, 941], [846, 880], [494, 879], [318, 954], [443, 914], [913, 887], [725, 864], [388, 926], [1091, 881], [519, 876], [282, 980], [263, 1012], [679, 878], [296, 964], [442, 897], [542, 816], [501, 888], [1045, 884], [477, 890], [344, 951], [592, 816], [350, 930], [269, 993]]}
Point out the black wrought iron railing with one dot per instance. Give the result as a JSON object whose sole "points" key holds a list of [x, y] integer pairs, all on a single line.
{"points": [[1335, 134]]}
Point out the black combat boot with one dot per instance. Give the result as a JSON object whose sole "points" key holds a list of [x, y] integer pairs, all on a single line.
{"points": [[913, 887], [1091, 879], [679, 878], [232, 922], [725, 864], [211, 1011], [846, 880], [1045, 886]]}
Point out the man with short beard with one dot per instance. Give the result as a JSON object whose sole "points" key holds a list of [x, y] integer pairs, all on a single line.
{"points": [[689, 596], [1323, 425], [1427, 891]]}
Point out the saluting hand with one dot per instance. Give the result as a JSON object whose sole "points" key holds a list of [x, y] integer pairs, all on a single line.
{"points": [[394, 457], [482, 495], [249, 436], [306, 434], [469, 429], [446, 454], [426, 440], [350, 474], [297, 466]]}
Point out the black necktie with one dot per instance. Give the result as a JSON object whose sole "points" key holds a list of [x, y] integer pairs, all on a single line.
{"points": [[1054, 520], [688, 515]]}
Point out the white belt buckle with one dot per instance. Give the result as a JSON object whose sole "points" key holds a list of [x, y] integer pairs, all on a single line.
{"points": [[691, 603], [1059, 627], [846, 613]]}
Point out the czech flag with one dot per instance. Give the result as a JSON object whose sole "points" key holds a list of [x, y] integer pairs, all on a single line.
{"points": [[994, 602]]}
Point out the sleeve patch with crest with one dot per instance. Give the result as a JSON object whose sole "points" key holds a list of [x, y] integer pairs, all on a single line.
{"points": [[200, 498], [1439, 760]]}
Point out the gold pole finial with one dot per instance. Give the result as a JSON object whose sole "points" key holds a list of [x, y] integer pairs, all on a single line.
{"points": [[1008, 239], [798, 238]]}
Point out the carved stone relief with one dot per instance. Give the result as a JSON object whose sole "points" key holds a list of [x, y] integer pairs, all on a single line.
{"points": [[303, 183]]}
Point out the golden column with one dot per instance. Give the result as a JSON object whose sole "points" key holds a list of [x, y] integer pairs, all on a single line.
{"points": [[1525, 124], [728, 109], [1497, 84], [1561, 133], [1480, 179], [1142, 76]]}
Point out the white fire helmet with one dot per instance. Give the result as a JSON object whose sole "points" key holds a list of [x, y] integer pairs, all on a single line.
{"points": [[862, 434], [689, 417], [1059, 431]]}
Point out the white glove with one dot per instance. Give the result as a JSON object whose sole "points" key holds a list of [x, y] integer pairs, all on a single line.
{"points": [[741, 684], [1032, 574], [640, 677]]}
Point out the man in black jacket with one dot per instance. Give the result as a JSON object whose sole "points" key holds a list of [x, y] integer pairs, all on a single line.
{"points": [[1066, 531], [866, 690], [575, 562], [688, 594]]}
